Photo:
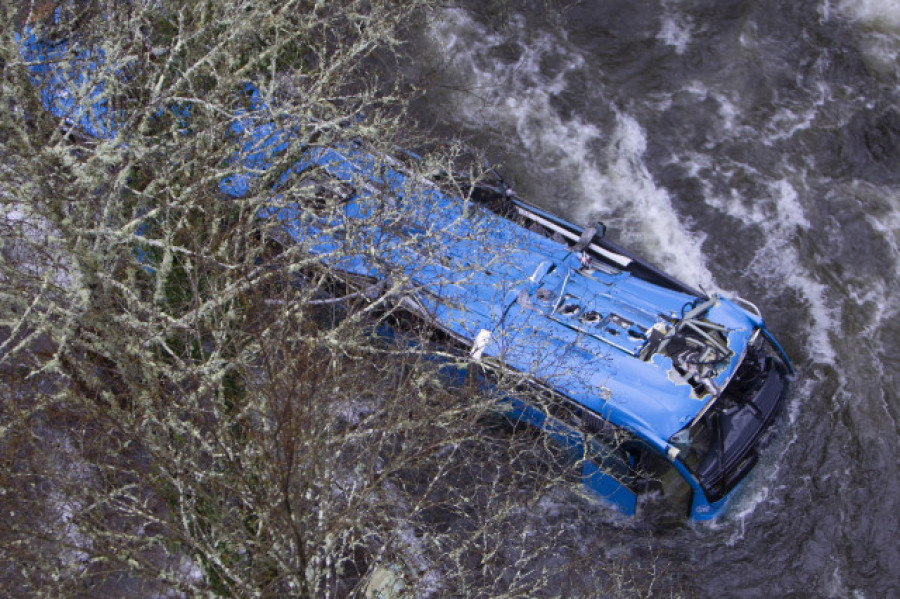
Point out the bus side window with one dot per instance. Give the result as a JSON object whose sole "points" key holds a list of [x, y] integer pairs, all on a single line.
{"points": [[605, 471], [669, 495]]}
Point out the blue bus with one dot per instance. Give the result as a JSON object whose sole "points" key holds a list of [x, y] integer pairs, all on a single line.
{"points": [[657, 388]]}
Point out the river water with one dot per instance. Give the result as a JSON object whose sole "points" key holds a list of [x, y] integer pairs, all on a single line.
{"points": [[753, 149]]}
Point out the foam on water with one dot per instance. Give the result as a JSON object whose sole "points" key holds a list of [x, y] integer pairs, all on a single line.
{"points": [[628, 182], [609, 174], [888, 227], [787, 122], [779, 255], [879, 14], [780, 215], [675, 31], [879, 29]]}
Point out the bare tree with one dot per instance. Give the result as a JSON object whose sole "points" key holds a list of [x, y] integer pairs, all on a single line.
{"points": [[193, 401]]}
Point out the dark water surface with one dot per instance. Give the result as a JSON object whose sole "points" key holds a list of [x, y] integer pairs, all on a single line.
{"points": [[752, 148]]}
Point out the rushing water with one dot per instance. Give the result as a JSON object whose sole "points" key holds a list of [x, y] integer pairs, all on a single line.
{"points": [[752, 148]]}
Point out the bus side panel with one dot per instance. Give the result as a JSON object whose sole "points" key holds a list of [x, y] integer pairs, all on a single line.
{"points": [[608, 488]]}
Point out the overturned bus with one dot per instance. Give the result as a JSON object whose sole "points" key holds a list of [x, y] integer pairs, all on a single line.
{"points": [[659, 389]]}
